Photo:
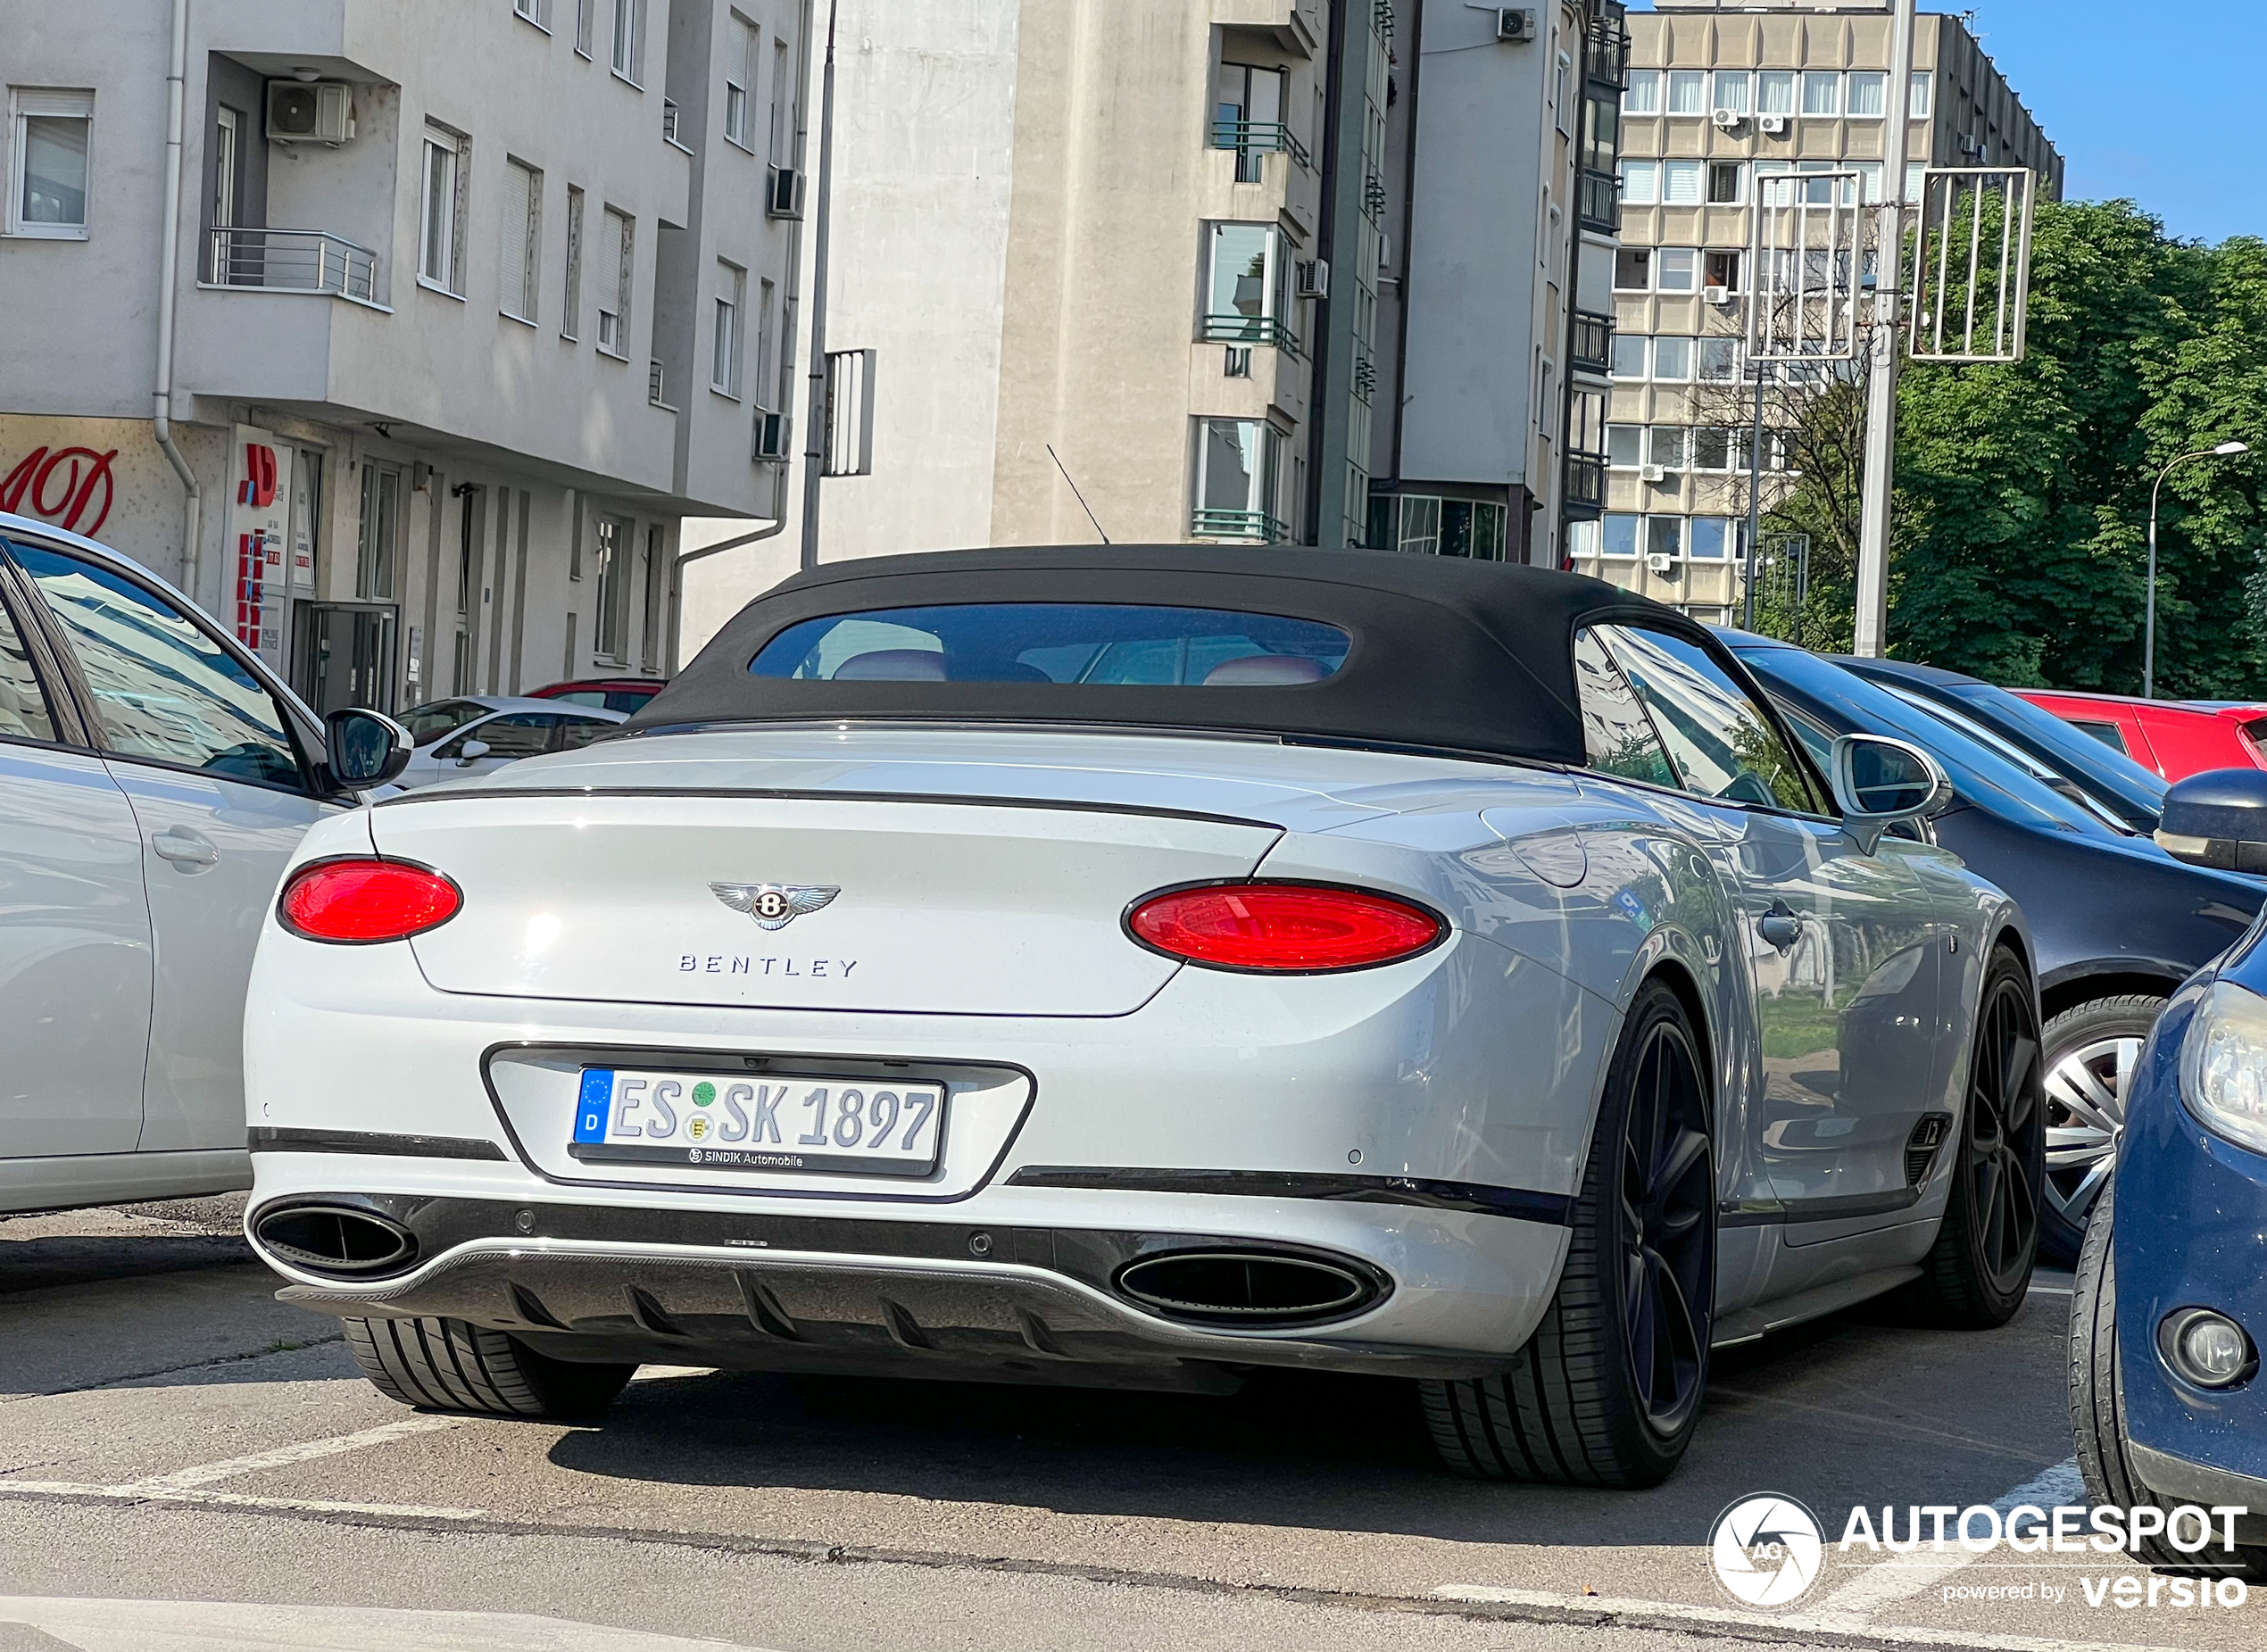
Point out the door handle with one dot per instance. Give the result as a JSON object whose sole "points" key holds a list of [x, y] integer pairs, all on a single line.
{"points": [[184, 847], [1780, 928]]}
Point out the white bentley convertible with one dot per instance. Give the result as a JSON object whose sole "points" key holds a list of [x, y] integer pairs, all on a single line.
{"points": [[1131, 966]]}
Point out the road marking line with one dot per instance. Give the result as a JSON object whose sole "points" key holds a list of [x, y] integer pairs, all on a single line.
{"points": [[1670, 1614], [214, 1624], [1892, 1580], [72, 1491], [284, 1457]]}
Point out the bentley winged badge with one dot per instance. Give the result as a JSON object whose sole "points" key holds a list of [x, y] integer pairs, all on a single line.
{"points": [[774, 906]]}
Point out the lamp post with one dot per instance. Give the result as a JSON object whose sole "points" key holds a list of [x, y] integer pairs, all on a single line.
{"points": [[2149, 625]]}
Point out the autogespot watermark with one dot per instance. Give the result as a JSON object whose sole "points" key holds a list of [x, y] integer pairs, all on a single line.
{"points": [[1769, 1550]]}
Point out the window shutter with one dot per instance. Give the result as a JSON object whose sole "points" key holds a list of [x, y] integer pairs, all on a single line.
{"points": [[512, 280]]}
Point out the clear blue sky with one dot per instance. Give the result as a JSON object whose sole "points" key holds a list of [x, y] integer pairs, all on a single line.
{"points": [[2162, 101]]}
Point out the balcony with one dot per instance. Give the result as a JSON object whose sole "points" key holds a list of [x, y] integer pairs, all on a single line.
{"points": [[1262, 525], [1254, 140], [291, 261], [1605, 56], [1249, 329], [1593, 350], [1585, 490], [1600, 204]]}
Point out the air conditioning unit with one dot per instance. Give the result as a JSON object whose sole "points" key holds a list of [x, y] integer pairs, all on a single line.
{"points": [[311, 112], [1727, 119], [1772, 126], [1719, 296], [1313, 278], [783, 192], [772, 436], [1514, 22], [1972, 146], [1652, 473], [1660, 564]]}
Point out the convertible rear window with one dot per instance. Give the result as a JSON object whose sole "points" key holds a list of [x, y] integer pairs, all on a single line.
{"points": [[1085, 644]]}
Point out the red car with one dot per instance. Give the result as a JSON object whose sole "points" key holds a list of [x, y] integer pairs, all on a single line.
{"points": [[2173, 739], [616, 694]]}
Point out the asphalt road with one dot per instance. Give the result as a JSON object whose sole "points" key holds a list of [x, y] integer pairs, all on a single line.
{"points": [[186, 1463]]}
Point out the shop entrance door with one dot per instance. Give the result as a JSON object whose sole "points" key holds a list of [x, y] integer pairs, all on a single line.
{"points": [[345, 655]]}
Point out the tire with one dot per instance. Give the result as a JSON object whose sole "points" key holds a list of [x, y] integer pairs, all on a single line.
{"points": [[2098, 1406], [1977, 1274], [2091, 1051], [1608, 1390], [446, 1364]]}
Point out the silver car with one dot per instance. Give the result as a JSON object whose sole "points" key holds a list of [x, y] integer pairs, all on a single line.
{"points": [[470, 734]]}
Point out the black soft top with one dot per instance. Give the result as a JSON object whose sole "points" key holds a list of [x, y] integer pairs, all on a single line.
{"points": [[1474, 657]]}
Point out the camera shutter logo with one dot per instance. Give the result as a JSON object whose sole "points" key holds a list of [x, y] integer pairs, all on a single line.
{"points": [[1767, 1549]]}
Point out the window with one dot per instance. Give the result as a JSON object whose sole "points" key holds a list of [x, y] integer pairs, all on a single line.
{"points": [[1666, 446], [1620, 532], [1673, 359], [1623, 445], [1677, 268], [523, 734], [164, 687], [1916, 181], [1868, 95], [1641, 183], [1822, 92], [783, 94], [378, 532], [766, 393], [629, 40], [1562, 105], [1629, 355], [617, 266], [1419, 532], [1719, 361], [1634, 269], [537, 11], [1727, 183], [1711, 538], [1582, 538], [1731, 91], [724, 356], [1712, 448], [521, 264], [1683, 182], [1688, 92], [570, 308], [1924, 95], [577, 731], [741, 62], [47, 163], [438, 261], [1664, 535], [1249, 298], [1237, 460], [23, 709], [585, 15], [1617, 735], [225, 127], [1643, 96], [1247, 116], [1720, 743], [1723, 270], [613, 547], [1869, 181], [2109, 734], [1775, 92]]}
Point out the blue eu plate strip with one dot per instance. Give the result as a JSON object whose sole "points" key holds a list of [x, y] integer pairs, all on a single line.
{"points": [[591, 1109]]}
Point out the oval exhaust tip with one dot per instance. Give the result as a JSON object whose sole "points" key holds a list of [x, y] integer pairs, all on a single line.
{"points": [[1246, 1287], [332, 1239]]}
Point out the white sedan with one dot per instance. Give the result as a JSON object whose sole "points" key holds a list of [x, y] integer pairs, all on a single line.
{"points": [[470, 734], [1127, 967]]}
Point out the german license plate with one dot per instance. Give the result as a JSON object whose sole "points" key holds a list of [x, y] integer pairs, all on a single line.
{"points": [[875, 1126]]}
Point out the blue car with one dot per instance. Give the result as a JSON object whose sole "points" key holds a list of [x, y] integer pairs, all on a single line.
{"points": [[2170, 1311]]}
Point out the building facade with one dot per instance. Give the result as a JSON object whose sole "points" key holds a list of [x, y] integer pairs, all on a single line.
{"points": [[469, 303], [1719, 96]]}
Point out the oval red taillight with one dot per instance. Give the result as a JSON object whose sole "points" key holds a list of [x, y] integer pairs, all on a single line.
{"points": [[357, 900], [1293, 927]]}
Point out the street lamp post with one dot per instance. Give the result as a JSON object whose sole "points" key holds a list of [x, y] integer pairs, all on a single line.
{"points": [[2149, 625]]}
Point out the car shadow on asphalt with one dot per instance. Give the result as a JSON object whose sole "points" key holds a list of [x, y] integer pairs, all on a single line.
{"points": [[1839, 1412], [52, 1260]]}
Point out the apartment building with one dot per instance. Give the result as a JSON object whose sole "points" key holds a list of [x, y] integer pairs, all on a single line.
{"points": [[1236, 271], [1720, 96], [454, 311]]}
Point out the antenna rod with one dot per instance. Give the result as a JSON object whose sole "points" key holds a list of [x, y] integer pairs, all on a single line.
{"points": [[1075, 493]]}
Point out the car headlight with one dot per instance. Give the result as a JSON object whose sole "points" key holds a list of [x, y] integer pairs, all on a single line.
{"points": [[2223, 1065]]}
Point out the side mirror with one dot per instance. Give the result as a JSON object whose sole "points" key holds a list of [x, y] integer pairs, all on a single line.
{"points": [[2218, 818], [472, 750], [1880, 782], [363, 749]]}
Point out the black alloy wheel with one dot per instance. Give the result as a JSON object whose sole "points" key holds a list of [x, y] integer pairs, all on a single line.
{"points": [[1976, 1275], [1668, 1242]]}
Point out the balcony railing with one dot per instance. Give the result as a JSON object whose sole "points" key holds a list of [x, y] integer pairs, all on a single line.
{"points": [[1253, 140], [1593, 342], [1606, 58], [1209, 523], [291, 261], [1601, 203], [1585, 490], [1249, 329]]}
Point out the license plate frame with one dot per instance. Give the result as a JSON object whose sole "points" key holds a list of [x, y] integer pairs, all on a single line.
{"points": [[788, 1124]]}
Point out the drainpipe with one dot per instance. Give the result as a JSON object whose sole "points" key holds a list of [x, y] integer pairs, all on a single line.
{"points": [[168, 256]]}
